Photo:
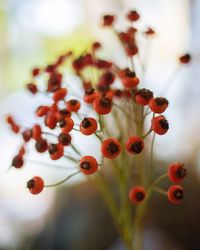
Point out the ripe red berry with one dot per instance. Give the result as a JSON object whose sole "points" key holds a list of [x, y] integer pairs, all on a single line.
{"points": [[62, 114], [15, 128], [56, 151], [73, 105], [88, 126], [133, 16], [159, 125], [106, 79], [59, 94], [130, 80], [158, 105], [102, 105], [177, 172], [35, 72], [134, 145], [143, 96], [111, 148], [175, 194], [10, 120], [186, 58], [32, 88], [54, 82], [41, 145], [66, 125], [36, 132], [64, 139], [42, 110], [27, 135], [90, 95], [18, 161], [108, 20], [22, 151], [51, 121], [35, 185], [88, 165], [137, 194]]}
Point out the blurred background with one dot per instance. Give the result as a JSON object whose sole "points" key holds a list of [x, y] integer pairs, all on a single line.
{"points": [[33, 33]]}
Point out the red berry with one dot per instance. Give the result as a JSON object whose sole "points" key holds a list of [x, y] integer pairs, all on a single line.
{"points": [[159, 125], [88, 165], [158, 105], [18, 161], [51, 121], [35, 185], [41, 145], [73, 105], [66, 125], [54, 82], [15, 128], [22, 151], [111, 148], [177, 172], [143, 96], [56, 151], [137, 194], [106, 79], [42, 110], [35, 72], [102, 64], [32, 88], [36, 132], [59, 94], [27, 135], [88, 126], [90, 95], [186, 58], [108, 20], [175, 194], [133, 16], [64, 139], [134, 145], [102, 105], [149, 32], [130, 80], [62, 114], [10, 120]]}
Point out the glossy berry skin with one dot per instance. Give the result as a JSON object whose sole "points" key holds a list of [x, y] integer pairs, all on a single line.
{"points": [[66, 125], [35, 185], [56, 151], [42, 110], [88, 165], [41, 145], [159, 125], [175, 194], [177, 172], [18, 161], [102, 105], [36, 132], [133, 16], [184, 59], [88, 126], [64, 139], [143, 97], [111, 148], [90, 95], [73, 105], [134, 145], [158, 105], [59, 94], [137, 194]]}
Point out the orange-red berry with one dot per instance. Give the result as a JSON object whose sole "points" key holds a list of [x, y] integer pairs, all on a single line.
{"points": [[41, 145], [59, 94], [35, 185], [158, 105], [56, 151], [102, 105], [88, 165], [73, 105], [175, 194], [88, 126], [36, 132], [27, 135], [130, 80], [111, 148], [184, 59], [18, 161], [134, 145], [137, 194], [66, 125], [64, 139], [133, 16], [90, 95], [177, 172], [42, 110], [143, 96], [159, 125]]}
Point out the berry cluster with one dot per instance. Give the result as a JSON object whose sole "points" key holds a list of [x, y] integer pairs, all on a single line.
{"points": [[129, 101]]}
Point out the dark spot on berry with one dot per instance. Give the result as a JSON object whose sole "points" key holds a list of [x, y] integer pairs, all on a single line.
{"points": [[140, 196], [164, 124], [41, 145], [181, 172], [136, 147], [73, 102], [17, 161], [89, 91], [106, 102], [112, 148], [53, 148], [178, 194], [64, 112], [85, 165], [160, 101], [64, 139], [145, 93], [31, 184], [130, 74], [86, 123], [62, 123]]}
